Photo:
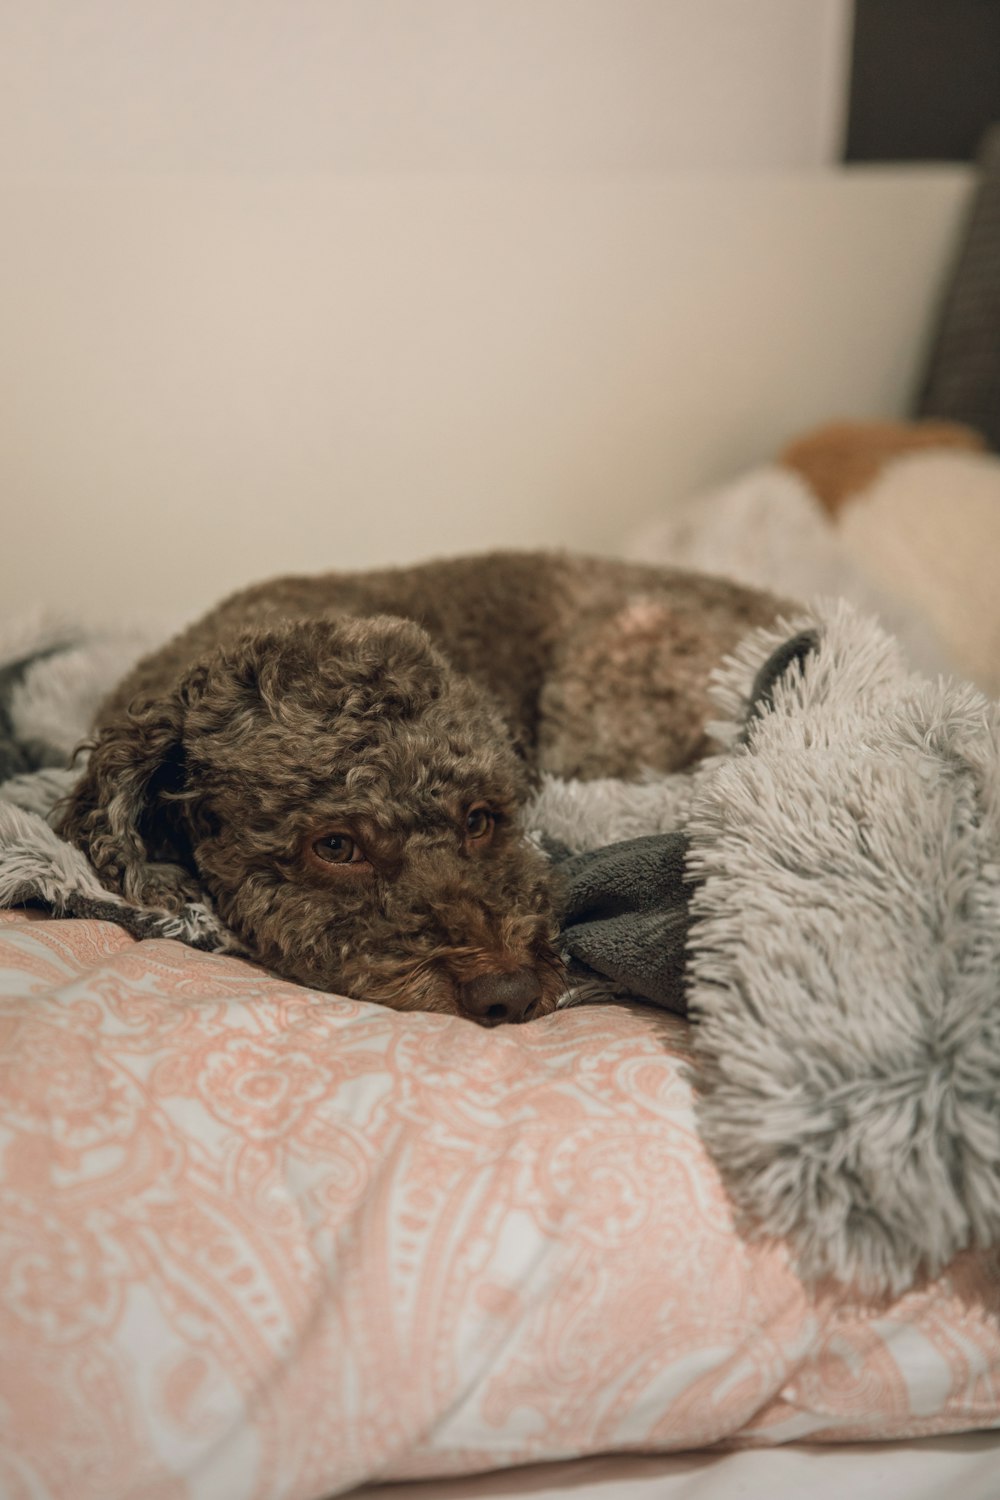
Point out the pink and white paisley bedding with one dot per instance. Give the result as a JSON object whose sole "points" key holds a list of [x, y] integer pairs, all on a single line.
{"points": [[261, 1242]]}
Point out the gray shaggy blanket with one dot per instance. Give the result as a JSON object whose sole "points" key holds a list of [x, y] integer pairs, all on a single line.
{"points": [[843, 954], [823, 896], [845, 961]]}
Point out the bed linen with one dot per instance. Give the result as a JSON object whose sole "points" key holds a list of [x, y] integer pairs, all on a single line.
{"points": [[258, 1241], [967, 1466]]}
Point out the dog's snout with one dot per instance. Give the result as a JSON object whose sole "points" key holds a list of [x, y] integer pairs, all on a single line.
{"points": [[492, 999]]}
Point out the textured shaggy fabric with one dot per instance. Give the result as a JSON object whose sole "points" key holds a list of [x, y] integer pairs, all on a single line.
{"points": [[54, 673], [844, 860], [845, 956], [38, 867]]}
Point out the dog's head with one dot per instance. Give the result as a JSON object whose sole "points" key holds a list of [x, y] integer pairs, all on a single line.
{"points": [[349, 803]]}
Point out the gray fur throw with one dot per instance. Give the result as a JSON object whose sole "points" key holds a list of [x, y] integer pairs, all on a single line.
{"points": [[843, 957], [823, 895]]}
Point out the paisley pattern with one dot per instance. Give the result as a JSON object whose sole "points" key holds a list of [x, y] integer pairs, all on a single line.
{"points": [[260, 1242]]}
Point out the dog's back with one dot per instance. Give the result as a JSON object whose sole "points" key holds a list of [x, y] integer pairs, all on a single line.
{"points": [[599, 666], [338, 763]]}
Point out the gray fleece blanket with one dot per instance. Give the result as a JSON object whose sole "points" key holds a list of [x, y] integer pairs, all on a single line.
{"points": [[626, 916], [823, 895]]}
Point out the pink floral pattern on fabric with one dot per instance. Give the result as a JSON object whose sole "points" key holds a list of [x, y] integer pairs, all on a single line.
{"points": [[261, 1242]]}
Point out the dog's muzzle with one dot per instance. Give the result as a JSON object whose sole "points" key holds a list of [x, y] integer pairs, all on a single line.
{"points": [[496, 999]]}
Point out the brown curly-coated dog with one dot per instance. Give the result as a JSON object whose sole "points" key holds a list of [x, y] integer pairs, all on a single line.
{"points": [[338, 762]]}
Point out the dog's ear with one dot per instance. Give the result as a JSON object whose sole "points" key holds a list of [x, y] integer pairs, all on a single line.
{"points": [[126, 812]]}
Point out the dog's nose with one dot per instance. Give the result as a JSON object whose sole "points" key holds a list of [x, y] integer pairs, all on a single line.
{"points": [[492, 999]]}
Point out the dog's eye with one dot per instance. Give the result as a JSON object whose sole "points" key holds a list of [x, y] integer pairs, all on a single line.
{"points": [[479, 821], [339, 849]]}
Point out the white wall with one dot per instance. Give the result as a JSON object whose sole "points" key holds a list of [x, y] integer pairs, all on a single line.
{"points": [[299, 86], [293, 284], [204, 380]]}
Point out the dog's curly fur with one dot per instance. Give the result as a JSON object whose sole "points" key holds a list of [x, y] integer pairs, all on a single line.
{"points": [[398, 717]]}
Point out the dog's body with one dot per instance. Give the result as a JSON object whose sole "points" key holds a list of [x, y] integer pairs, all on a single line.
{"points": [[338, 761]]}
